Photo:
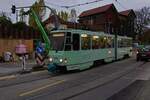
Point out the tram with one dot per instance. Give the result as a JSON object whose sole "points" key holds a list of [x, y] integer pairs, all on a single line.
{"points": [[74, 49]]}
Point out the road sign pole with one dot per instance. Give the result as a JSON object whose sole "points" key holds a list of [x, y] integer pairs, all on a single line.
{"points": [[23, 63]]}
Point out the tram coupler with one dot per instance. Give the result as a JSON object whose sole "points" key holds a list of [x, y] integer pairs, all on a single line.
{"points": [[52, 68]]}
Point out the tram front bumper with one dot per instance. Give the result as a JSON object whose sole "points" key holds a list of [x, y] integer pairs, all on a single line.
{"points": [[51, 67]]}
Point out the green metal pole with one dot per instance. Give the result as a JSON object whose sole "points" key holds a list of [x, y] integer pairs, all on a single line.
{"points": [[44, 34]]}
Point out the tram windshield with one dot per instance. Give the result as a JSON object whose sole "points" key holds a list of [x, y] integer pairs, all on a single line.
{"points": [[57, 41]]}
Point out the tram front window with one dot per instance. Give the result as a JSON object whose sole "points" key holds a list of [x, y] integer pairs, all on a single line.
{"points": [[57, 41]]}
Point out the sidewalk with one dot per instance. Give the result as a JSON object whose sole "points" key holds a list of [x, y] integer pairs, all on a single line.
{"points": [[14, 67]]}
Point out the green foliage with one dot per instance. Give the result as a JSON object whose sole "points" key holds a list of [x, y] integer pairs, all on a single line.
{"points": [[20, 26], [5, 20], [40, 11], [63, 15], [22, 16]]}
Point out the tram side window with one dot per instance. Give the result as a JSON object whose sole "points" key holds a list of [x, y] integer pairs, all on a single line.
{"points": [[125, 43], [106, 42], [76, 42], [95, 42], [68, 38], [109, 42], [85, 42], [129, 42], [122, 43], [113, 42], [101, 42]]}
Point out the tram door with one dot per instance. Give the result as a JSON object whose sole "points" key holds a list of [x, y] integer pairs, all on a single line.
{"points": [[76, 42], [68, 41]]}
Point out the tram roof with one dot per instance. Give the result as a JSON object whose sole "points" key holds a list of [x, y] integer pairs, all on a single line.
{"points": [[87, 32], [80, 31]]}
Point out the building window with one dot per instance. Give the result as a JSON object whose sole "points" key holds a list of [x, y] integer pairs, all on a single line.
{"points": [[108, 27], [91, 21]]}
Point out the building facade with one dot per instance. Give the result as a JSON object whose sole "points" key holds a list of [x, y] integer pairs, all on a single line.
{"points": [[109, 20]]}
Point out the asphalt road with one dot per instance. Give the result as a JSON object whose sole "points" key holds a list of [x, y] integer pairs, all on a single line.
{"points": [[14, 67], [98, 83], [139, 89]]}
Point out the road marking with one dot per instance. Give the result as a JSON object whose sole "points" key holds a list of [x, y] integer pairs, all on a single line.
{"points": [[38, 72], [41, 88], [7, 77]]}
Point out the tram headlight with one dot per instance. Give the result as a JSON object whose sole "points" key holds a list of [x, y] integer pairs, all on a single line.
{"points": [[61, 60], [109, 52], [65, 60], [50, 59]]}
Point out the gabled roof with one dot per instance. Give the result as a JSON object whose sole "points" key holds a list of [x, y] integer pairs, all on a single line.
{"points": [[96, 10], [127, 12], [52, 19]]}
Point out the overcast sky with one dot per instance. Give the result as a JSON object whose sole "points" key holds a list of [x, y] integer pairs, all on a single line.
{"points": [[5, 5]]}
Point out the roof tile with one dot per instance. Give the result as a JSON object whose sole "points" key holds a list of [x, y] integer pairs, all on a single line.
{"points": [[95, 10], [126, 12]]}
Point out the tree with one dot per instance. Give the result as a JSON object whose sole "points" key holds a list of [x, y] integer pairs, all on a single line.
{"points": [[63, 15], [22, 16], [20, 26], [40, 11], [73, 16], [145, 39], [66, 16], [4, 18], [5, 21], [142, 20], [5, 25]]}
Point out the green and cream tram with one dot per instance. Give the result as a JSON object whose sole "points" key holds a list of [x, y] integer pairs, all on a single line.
{"points": [[74, 49]]}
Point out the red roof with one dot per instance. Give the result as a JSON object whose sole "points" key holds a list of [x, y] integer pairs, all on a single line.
{"points": [[52, 19], [96, 10], [126, 12]]}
